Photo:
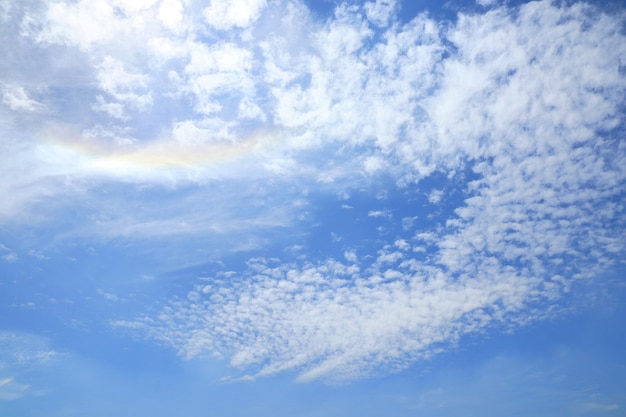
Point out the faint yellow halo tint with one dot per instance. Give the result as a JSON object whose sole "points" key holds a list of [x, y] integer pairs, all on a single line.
{"points": [[140, 156]]}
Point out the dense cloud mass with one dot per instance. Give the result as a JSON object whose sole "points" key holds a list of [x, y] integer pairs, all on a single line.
{"points": [[225, 120]]}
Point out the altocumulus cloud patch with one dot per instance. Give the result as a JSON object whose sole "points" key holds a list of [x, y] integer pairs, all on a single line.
{"points": [[501, 132]]}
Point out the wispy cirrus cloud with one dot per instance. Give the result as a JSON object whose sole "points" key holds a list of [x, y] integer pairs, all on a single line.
{"points": [[21, 353]]}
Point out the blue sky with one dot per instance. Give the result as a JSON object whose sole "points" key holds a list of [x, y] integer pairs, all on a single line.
{"points": [[312, 208]]}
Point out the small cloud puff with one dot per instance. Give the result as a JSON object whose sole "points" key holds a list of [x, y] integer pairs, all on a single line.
{"points": [[380, 12], [17, 99], [379, 213], [228, 14]]}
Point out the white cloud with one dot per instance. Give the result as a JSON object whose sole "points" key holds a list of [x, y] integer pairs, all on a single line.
{"points": [[402, 244], [373, 164], [487, 2], [198, 132], [171, 14], [435, 196], [127, 88], [107, 295], [506, 86], [380, 11], [19, 350], [333, 320], [250, 110], [21, 353], [214, 71], [379, 213], [227, 14], [82, 24], [133, 6], [115, 80], [351, 256], [17, 99]]}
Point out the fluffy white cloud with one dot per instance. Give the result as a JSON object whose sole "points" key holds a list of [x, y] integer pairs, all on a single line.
{"points": [[217, 70], [380, 11], [123, 86], [171, 14], [82, 24], [17, 99], [227, 14]]}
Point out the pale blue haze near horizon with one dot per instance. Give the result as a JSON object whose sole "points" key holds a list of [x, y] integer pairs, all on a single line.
{"points": [[312, 208]]}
